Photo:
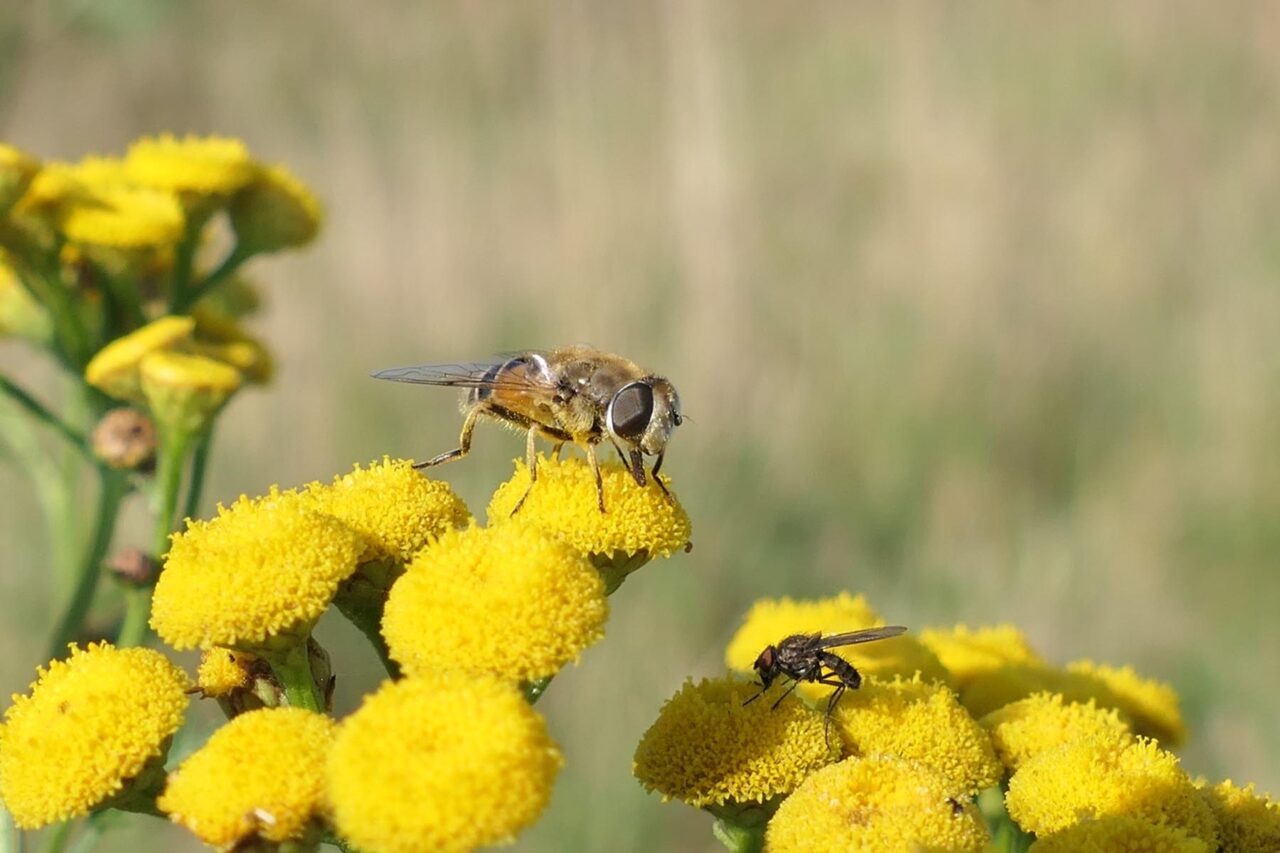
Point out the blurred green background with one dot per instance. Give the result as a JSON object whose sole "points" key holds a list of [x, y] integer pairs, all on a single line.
{"points": [[973, 308]]}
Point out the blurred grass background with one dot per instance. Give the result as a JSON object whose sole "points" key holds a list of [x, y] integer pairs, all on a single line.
{"points": [[973, 308]]}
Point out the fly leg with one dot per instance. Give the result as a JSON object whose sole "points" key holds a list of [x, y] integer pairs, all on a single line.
{"points": [[556, 448], [464, 441], [793, 686], [843, 676], [590, 450], [531, 459], [661, 485]]}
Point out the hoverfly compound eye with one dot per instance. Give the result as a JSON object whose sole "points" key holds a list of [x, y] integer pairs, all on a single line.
{"points": [[630, 411], [765, 660]]}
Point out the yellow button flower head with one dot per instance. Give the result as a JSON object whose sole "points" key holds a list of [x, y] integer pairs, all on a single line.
{"points": [[443, 762], [224, 670], [124, 217], [264, 568], [1119, 834], [185, 392], [968, 653], [92, 723], [262, 774], [876, 803], [1045, 721], [508, 599], [1151, 705], [920, 721], [397, 509], [197, 165], [564, 501], [115, 369], [709, 749], [220, 337], [16, 171], [991, 690], [1247, 821], [770, 620], [1107, 775], [275, 211]]}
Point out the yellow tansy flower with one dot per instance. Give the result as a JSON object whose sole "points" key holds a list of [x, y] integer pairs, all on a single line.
{"points": [[1107, 775], [92, 723], [16, 171], [443, 762], [115, 369], [991, 690], [1151, 705], [876, 803], [220, 337], [770, 620], [563, 501], [967, 653], [1247, 821], [921, 721], [124, 217], [509, 599], [262, 568], [192, 164], [1119, 834], [262, 774], [1045, 721], [708, 749], [185, 392], [223, 670], [275, 211], [397, 509]]}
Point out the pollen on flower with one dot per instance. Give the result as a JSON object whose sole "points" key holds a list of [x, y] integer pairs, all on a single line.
{"points": [[967, 653], [1045, 721], [397, 509], [708, 748], [770, 620], [1151, 705], [875, 803], [1106, 775], [115, 369], [91, 724], [262, 568], [223, 670], [1247, 821], [509, 600], [262, 774], [564, 501], [444, 762], [920, 721], [192, 164], [1119, 834]]}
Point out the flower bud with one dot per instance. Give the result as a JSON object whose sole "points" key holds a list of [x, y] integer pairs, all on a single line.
{"points": [[275, 211], [125, 439], [114, 370], [185, 392]]}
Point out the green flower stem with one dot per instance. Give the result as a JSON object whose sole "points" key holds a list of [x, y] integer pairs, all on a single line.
{"points": [[364, 610], [740, 828], [112, 489], [56, 504], [184, 260], [190, 296], [55, 840], [195, 485], [45, 416], [533, 690], [292, 667], [615, 567], [1006, 836]]}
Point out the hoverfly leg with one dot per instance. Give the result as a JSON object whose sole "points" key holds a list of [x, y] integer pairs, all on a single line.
{"points": [[661, 485], [595, 469], [785, 694], [555, 450], [464, 440], [763, 690], [531, 459]]}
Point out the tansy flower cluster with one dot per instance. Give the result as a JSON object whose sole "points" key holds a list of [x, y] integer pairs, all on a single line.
{"points": [[447, 754], [956, 739]]}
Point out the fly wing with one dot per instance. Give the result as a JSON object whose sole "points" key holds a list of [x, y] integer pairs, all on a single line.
{"points": [[866, 635], [494, 375]]}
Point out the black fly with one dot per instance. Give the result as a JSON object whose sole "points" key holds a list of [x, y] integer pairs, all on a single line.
{"points": [[803, 657]]}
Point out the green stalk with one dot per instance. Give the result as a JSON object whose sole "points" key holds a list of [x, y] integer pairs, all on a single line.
{"points": [[43, 414], [55, 840], [225, 270], [740, 827], [195, 484], [292, 667], [112, 489]]}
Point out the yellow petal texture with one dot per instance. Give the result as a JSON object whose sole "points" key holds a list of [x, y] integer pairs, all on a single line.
{"points": [[115, 369], [1119, 834], [275, 211], [1104, 776], [263, 567], [397, 509], [444, 762], [708, 748], [91, 723], [1045, 721], [878, 803], [967, 653], [261, 774], [124, 217], [1151, 705], [508, 599], [920, 721], [1248, 822], [223, 670], [204, 165], [770, 620], [563, 501]]}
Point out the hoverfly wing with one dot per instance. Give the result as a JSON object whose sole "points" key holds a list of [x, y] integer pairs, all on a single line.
{"points": [[475, 374], [866, 635]]}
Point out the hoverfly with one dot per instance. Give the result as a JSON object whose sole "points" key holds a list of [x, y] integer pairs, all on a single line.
{"points": [[802, 657], [570, 394]]}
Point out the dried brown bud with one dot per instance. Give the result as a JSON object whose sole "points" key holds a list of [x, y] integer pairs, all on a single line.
{"points": [[133, 565], [125, 438]]}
